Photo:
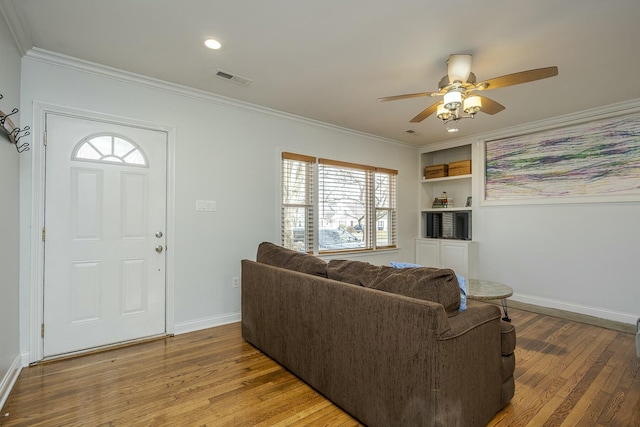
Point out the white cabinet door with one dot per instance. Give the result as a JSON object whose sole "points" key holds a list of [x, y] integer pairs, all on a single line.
{"points": [[455, 255], [458, 255], [428, 252]]}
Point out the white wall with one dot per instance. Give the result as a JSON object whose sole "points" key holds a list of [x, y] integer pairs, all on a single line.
{"points": [[9, 214], [581, 258], [225, 152]]}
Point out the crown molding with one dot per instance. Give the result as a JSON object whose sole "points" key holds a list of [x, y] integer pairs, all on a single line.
{"points": [[53, 58], [11, 14]]}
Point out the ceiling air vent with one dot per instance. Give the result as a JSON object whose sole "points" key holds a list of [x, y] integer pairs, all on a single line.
{"points": [[233, 78]]}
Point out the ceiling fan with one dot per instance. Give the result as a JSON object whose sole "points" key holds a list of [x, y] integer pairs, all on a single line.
{"points": [[458, 88]]}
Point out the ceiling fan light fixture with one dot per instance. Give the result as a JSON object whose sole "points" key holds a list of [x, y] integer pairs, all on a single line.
{"points": [[459, 68], [472, 104], [457, 86], [442, 113], [452, 100]]}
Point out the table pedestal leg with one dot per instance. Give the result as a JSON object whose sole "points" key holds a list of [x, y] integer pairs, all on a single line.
{"points": [[506, 317]]}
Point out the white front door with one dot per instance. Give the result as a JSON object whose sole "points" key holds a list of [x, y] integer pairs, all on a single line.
{"points": [[104, 237]]}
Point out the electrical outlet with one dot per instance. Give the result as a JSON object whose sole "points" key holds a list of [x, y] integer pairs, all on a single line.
{"points": [[235, 282]]}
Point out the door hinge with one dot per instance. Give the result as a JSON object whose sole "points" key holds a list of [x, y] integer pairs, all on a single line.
{"points": [[44, 233], [44, 139], [42, 330]]}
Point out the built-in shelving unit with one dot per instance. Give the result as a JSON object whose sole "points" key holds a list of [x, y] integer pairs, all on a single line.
{"points": [[458, 188], [453, 247], [447, 178]]}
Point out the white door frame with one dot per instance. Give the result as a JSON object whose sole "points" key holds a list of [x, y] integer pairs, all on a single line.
{"points": [[36, 343]]}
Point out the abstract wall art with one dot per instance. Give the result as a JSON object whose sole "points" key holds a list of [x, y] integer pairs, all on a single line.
{"points": [[590, 162]]}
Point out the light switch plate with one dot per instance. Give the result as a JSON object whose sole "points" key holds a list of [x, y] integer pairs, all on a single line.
{"points": [[206, 205]]}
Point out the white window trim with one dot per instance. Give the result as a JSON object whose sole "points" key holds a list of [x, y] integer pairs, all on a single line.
{"points": [[371, 220]]}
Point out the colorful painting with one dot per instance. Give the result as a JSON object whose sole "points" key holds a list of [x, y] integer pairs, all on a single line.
{"points": [[595, 159]]}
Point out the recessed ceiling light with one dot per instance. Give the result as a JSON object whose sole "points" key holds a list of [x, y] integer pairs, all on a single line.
{"points": [[213, 44], [452, 129]]}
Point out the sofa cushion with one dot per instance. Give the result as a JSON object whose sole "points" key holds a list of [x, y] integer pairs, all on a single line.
{"points": [[269, 253], [431, 284], [354, 272], [462, 282]]}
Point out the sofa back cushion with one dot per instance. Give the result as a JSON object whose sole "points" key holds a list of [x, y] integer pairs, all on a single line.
{"points": [[432, 284], [355, 272], [269, 253], [426, 283], [462, 282]]}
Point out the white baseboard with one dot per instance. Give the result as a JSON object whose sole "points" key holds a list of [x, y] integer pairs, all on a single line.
{"points": [[25, 358], [10, 379], [207, 322], [615, 316]]}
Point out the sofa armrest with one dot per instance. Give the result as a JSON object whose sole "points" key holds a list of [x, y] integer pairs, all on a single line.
{"points": [[473, 317], [473, 368]]}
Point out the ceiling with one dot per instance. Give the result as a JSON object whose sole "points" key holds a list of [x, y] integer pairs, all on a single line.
{"points": [[330, 60]]}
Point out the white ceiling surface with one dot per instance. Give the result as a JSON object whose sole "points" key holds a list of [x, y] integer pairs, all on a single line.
{"points": [[330, 60]]}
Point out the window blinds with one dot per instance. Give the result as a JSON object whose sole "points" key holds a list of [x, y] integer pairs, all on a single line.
{"points": [[297, 217], [354, 207]]}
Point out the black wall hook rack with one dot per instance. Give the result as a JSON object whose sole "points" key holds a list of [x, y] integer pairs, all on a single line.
{"points": [[12, 131]]}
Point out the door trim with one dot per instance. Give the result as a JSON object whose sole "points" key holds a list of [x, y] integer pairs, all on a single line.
{"points": [[36, 283]]}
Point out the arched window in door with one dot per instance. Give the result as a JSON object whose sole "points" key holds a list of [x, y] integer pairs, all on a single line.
{"points": [[109, 148]]}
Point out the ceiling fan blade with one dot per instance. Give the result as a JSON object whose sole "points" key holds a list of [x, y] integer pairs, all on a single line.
{"points": [[425, 113], [518, 78], [459, 68], [407, 96], [490, 106]]}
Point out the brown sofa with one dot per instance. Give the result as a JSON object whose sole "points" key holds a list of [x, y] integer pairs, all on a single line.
{"points": [[385, 358]]}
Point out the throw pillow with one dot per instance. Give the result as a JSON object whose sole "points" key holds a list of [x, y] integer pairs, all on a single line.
{"points": [[396, 264]]}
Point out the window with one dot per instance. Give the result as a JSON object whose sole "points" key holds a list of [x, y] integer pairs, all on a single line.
{"points": [[385, 207], [109, 149], [352, 207], [297, 202]]}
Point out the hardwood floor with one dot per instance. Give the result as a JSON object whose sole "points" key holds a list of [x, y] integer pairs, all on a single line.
{"points": [[567, 374]]}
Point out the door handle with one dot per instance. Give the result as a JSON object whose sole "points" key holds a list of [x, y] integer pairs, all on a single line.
{"points": [[159, 248]]}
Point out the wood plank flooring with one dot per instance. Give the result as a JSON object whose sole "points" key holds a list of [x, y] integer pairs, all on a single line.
{"points": [[567, 374]]}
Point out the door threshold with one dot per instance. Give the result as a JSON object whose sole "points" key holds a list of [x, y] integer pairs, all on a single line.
{"points": [[101, 349]]}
